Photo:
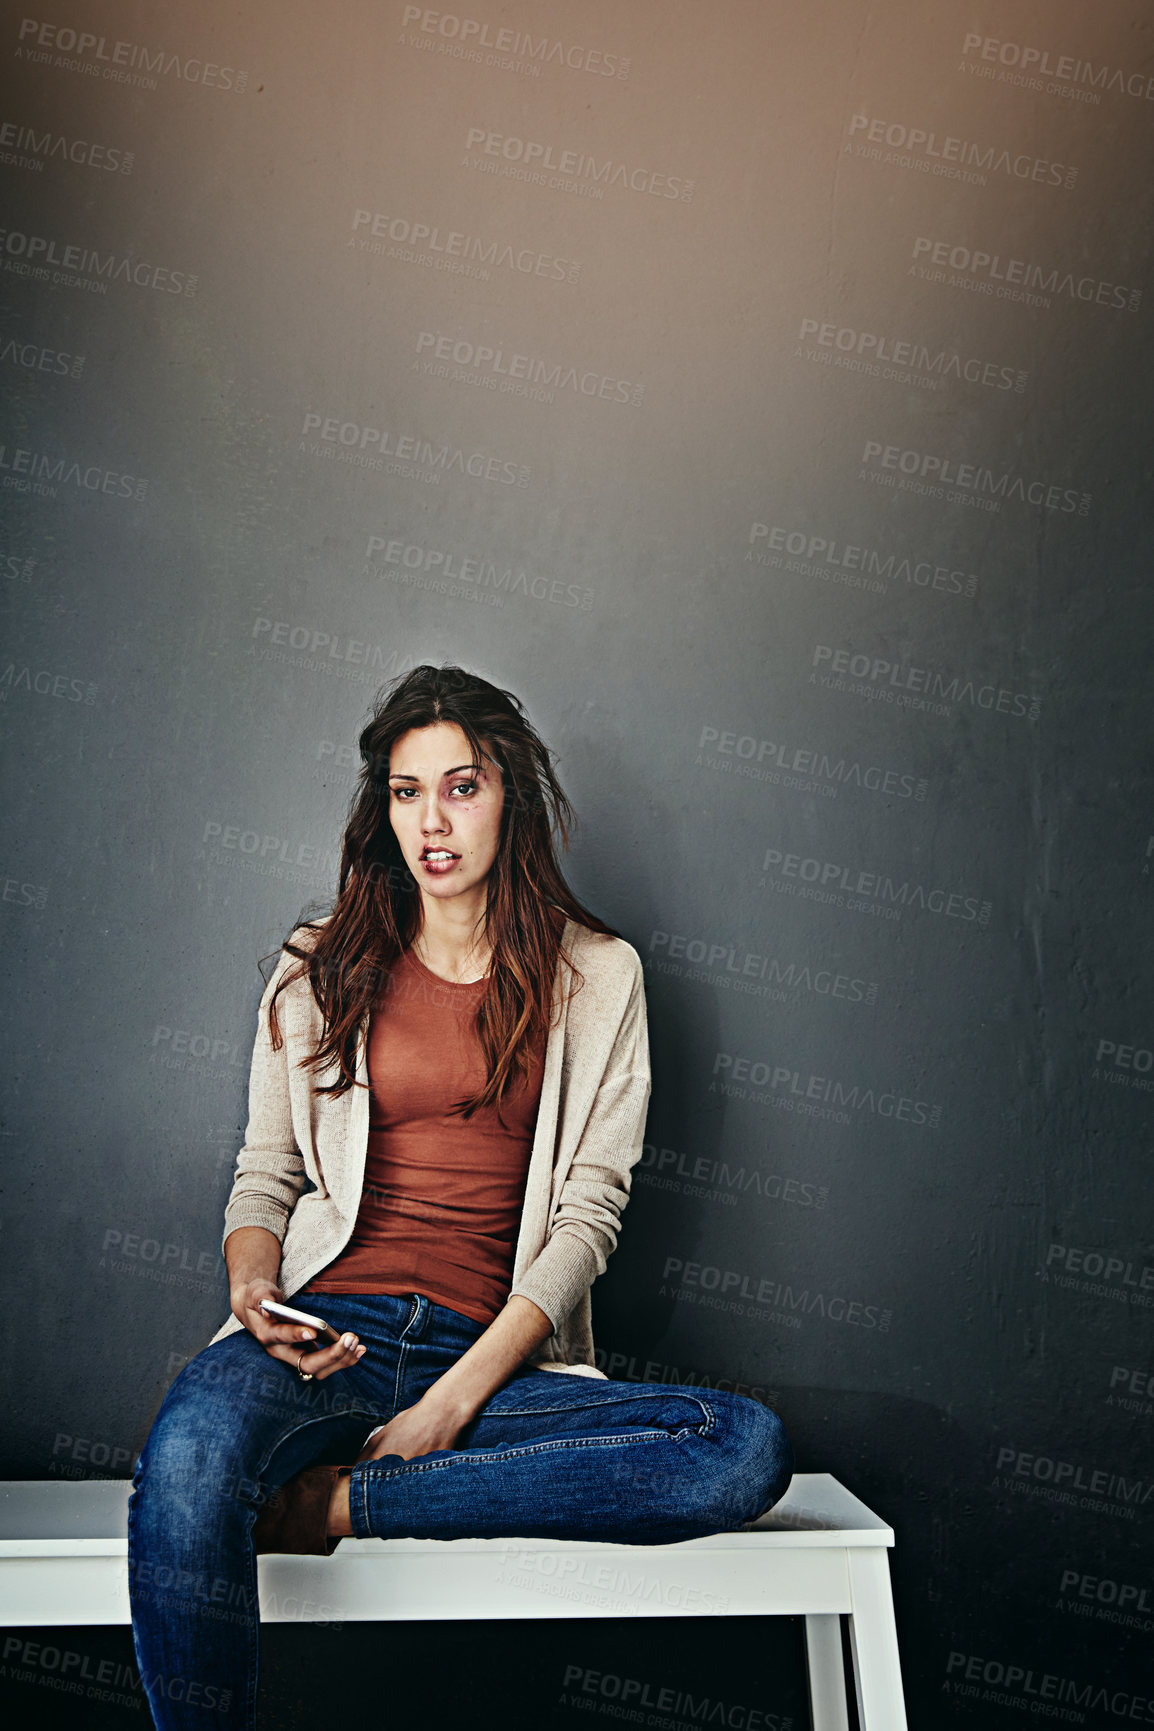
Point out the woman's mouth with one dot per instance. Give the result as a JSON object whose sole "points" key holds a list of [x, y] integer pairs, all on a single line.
{"points": [[438, 860]]}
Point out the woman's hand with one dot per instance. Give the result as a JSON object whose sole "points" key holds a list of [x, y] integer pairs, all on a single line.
{"points": [[455, 1399], [418, 1430], [288, 1340]]}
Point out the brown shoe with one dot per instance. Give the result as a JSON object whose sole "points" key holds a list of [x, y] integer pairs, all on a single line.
{"points": [[295, 1518]]}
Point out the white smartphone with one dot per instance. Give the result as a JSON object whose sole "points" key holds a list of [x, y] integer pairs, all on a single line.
{"points": [[285, 1313]]}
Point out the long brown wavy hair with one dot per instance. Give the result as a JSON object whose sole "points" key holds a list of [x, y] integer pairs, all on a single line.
{"points": [[377, 914]]}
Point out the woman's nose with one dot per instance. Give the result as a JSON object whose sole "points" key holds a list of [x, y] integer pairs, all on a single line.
{"points": [[433, 817]]}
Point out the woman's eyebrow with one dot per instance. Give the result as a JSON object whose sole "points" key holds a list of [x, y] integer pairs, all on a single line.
{"points": [[462, 768]]}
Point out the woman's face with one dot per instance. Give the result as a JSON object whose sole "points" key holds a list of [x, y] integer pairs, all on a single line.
{"points": [[445, 809]]}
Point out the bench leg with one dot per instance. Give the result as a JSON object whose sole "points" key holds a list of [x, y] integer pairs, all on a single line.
{"points": [[874, 1640], [827, 1702]]}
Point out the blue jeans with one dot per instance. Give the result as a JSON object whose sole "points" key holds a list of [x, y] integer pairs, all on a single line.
{"points": [[551, 1454]]}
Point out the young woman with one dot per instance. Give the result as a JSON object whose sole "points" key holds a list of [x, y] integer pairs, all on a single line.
{"points": [[448, 1092]]}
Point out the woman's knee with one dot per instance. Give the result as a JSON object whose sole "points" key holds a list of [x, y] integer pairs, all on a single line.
{"points": [[200, 1450], [187, 1467], [757, 1458]]}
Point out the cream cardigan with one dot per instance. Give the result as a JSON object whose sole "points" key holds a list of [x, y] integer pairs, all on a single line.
{"points": [[589, 1130]]}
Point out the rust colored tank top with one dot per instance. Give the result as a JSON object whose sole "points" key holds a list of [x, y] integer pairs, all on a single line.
{"points": [[441, 1203]]}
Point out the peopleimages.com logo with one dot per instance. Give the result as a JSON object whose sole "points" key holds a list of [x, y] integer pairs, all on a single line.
{"points": [[1016, 279], [734, 1289], [955, 158], [738, 1077], [1106, 1591], [122, 62], [857, 566], [533, 160], [501, 47], [367, 447], [725, 958], [709, 1180], [914, 687], [842, 885], [38, 254], [1099, 1274], [664, 1705], [507, 370], [38, 472], [904, 359], [1040, 1693], [977, 484], [450, 249], [27, 147], [407, 562], [1124, 1065], [1070, 1481], [44, 682], [807, 767], [1031, 65], [38, 358]]}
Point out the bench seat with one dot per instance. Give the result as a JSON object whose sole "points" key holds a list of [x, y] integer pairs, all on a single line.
{"points": [[819, 1553]]}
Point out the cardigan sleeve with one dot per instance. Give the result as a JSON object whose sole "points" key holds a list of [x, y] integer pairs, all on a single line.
{"points": [[270, 1172], [583, 1233]]}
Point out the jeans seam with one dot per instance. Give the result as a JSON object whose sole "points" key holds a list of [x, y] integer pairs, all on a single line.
{"points": [[364, 1497], [487, 1457], [403, 1345], [399, 1379], [252, 1631], [709, 1414]]}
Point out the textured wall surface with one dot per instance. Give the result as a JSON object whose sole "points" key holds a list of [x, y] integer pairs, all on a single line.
{"points": [[762, 392]]}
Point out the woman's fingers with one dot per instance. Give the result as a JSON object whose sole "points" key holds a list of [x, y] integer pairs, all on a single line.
{"points": [[288, 1341], [282, 1333], [346, 1352], [273, 1333]]}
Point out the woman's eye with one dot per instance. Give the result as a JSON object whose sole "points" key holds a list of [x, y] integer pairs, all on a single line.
{"points": [[406, 795]]}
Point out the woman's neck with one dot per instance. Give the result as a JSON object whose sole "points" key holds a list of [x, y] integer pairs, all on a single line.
{"points": [[451, 942]]}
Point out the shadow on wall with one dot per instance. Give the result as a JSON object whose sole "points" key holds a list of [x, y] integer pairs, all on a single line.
{"points": [[631, 1300], [928, 1476], [926, 1455]]}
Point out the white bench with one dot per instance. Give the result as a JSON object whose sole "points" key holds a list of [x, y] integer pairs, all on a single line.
{"points": [[820, 1554]]}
